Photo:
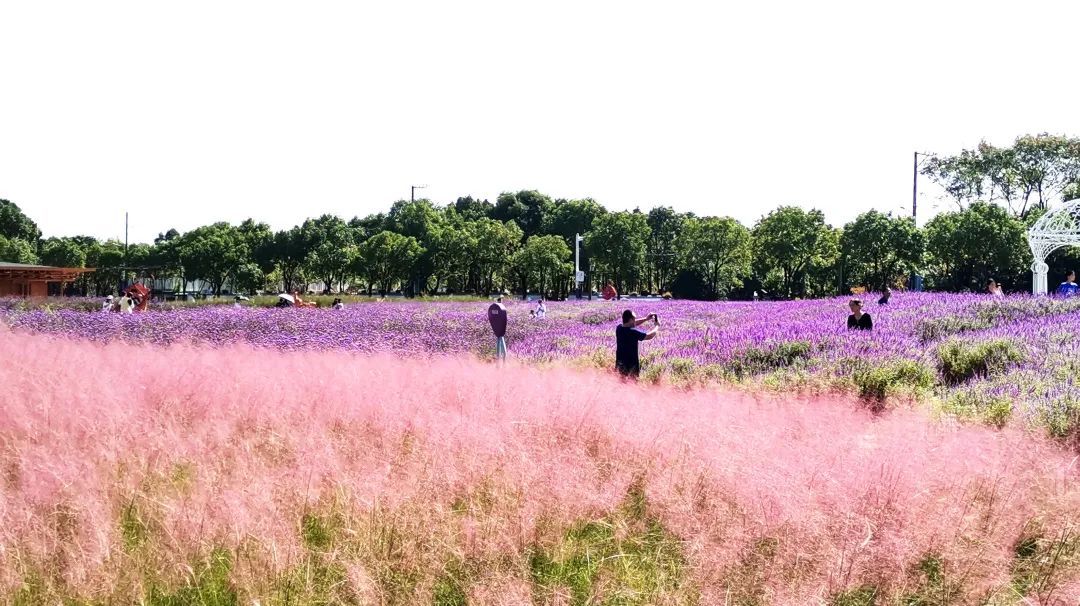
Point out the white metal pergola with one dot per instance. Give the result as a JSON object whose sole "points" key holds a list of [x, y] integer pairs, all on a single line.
{"points": [[1057, 228]]}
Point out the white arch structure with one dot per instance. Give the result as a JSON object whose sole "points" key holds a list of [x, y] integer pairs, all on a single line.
{"points": [[1057, 228]]}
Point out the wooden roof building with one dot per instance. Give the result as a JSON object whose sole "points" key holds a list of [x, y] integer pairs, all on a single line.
{"points": [[21, 280]]}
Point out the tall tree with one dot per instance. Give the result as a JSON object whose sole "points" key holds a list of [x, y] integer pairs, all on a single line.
{"points": [[15, 224], [471, 209], [17, 250], [967, 248], [665, 226], [527, 208], [792, 241], [617, 246], [332, 247], [496, 243], [289, 250], [211, 253], [388, 257], [718, 249], [879, 249], [542, 262], [63, 252]]}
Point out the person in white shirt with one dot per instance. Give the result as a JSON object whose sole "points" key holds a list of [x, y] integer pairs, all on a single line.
{"points": [[338, 304], [541, 311], [107, 304], [994, 289]]}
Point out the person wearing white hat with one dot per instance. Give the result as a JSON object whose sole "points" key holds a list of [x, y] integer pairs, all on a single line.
{"points": [[107, 304]]}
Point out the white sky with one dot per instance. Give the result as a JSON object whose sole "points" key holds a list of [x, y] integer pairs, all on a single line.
{"points": [[188, 113]]}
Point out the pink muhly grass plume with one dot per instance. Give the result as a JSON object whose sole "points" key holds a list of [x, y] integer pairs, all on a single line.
{"points": [[380, 479]]}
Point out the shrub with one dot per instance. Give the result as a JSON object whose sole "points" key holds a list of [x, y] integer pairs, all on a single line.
{"points": [[757, 360], [960, 361], [992, 409], [932, 329], [879, 381]]}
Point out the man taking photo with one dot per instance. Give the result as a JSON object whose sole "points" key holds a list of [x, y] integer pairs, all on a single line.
{"points": [[627, 337]]}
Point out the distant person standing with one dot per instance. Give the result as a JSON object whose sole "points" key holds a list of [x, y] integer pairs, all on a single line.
{"points": [[1068, 288], [994, 288], [886, 294], [541, 310], [627, 337], [497, 319], [858, 320]]}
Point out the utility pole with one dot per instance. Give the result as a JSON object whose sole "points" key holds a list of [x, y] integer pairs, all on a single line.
{"points": [[577, 264], [124, 278], [915, 189]]}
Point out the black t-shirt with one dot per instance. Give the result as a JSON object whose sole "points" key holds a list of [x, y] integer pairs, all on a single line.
{"points": [[863, 323], [626, 346]]}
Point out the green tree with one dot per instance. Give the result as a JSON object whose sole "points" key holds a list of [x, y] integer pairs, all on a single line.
{"points": [[289, 251], [879, 249], [453, 248], [15, 224], [471, 209], [542, 262], [63, 252], [17, 250], [332, 247], [790, 242], [718, 249], [212, 253], [496, 242], [665, 226], [108, 259], [527, 208], [616, 245], [387, 257], [969, 247], [422, 221], [1034, 172]]}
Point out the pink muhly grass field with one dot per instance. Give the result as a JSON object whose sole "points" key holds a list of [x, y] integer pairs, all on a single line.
{"points": [[176, 475]]}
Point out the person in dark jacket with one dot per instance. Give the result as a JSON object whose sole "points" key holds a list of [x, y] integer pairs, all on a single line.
{"points": [[627, 337], [858, 320]]}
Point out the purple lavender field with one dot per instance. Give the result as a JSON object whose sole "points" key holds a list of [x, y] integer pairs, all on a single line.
{"points": [[1000, 361]]}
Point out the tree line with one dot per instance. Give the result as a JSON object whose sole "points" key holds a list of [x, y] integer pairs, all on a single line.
{"points": [[524, 242]]}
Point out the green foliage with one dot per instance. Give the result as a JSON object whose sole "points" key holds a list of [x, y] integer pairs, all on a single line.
{"points": [[880, 250], [932, 329], [14, 225], [543, 261], [757, 360], [1062, 418], [991, 409], [794, 242], [625, 558], [1040, 562], [212, 253], [876, 382], [388, 257], [526, 208], [718, 249], [616, 246], [133, 529], [62, 252], [317, 531], [959, 361], [208, 585], [17, 250], [934, 585], [866, 595], [969, 247]]}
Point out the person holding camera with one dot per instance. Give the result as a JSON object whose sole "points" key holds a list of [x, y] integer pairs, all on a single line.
{"points": [[627, 337]]}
